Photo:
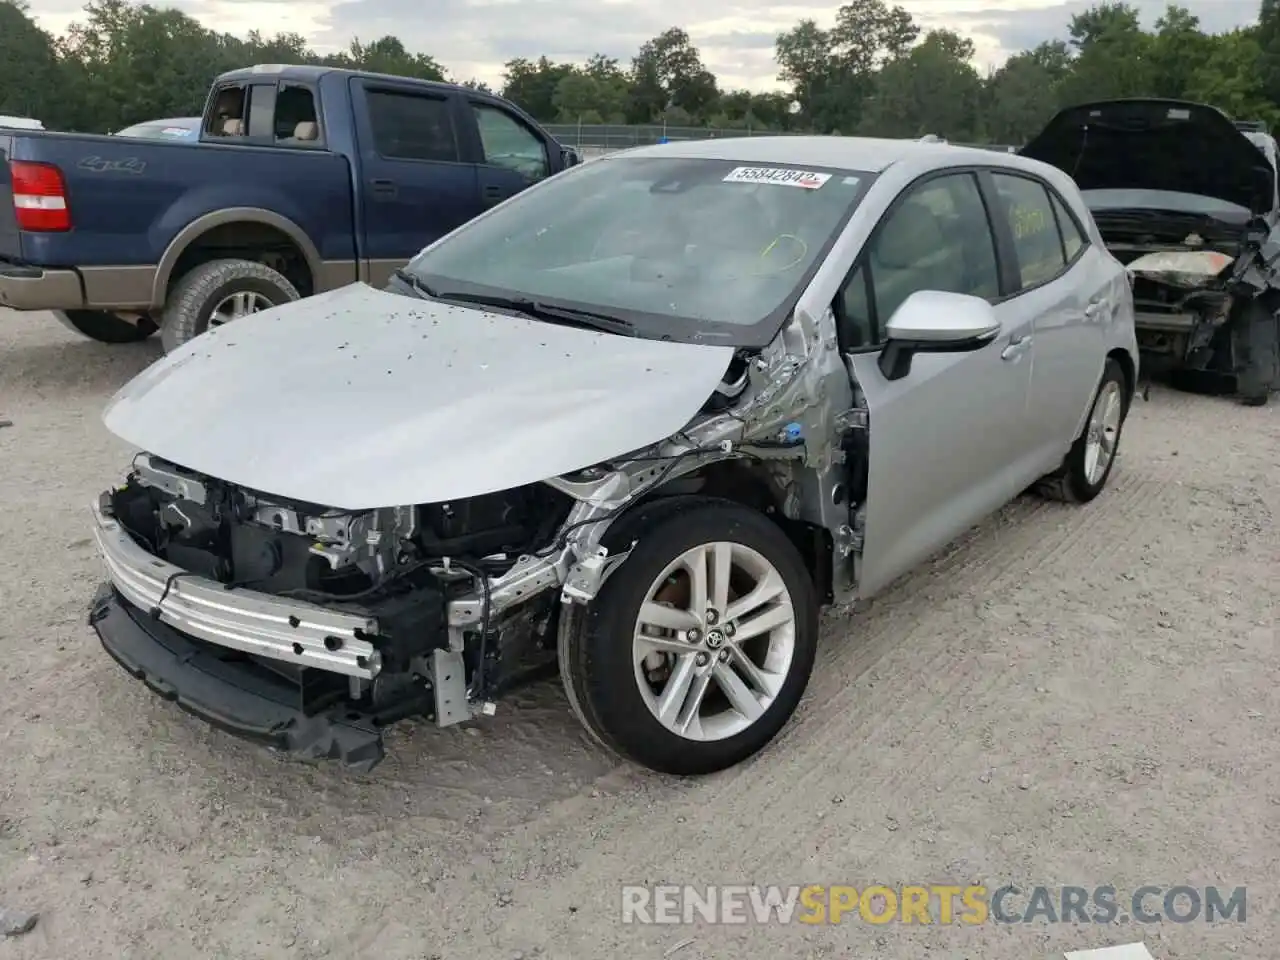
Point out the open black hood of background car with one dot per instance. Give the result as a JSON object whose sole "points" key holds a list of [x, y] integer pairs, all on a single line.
{"points": [[1156, 145]]}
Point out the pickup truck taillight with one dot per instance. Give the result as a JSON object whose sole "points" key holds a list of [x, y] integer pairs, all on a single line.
{"points": [[39, 197]]}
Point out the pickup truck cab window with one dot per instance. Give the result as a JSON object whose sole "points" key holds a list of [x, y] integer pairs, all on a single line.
{"points": [[295, 120], [508, 142], [265, 112], [412, 126], [227, 117]]}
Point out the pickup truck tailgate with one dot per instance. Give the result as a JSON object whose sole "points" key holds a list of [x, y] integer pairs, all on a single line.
{"points": [[10, 242]]}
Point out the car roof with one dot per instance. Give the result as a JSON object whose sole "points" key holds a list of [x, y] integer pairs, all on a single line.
{"points": [[868, 154], [312, 73]]}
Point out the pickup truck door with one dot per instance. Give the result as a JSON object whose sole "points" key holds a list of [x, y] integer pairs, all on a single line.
{"points": [[414, 184], [511, 154]]}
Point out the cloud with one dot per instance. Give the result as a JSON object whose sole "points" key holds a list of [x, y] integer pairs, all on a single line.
{"points": [[1008, 30], [473, 38]]}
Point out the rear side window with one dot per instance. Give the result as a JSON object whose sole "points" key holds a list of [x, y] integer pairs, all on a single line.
{"points": [[1072, 236], [409, 126], [1036, 240], [228, 116], [295, 122]]}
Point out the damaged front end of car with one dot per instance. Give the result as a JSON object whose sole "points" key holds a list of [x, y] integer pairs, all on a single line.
{"points": [[1209, 311], [311, 629], [1188, 203]]}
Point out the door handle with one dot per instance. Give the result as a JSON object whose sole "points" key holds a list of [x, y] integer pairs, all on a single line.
{"points": [[492, 192], [1018, 345], [1093, 309], [383, 188]]}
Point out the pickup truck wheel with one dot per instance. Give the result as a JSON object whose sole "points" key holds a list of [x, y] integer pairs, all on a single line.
{"points": [[698, 647], [1088, 464], [218, 292], [106, 327]]}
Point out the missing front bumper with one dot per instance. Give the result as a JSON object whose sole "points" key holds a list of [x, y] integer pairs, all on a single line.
{"points": [[294, 632], [234, 694]]}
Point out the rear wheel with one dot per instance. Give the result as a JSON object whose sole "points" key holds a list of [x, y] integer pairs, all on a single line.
{"points": [[106, 327], [218, 292], [1088, 464], [697, 649]]}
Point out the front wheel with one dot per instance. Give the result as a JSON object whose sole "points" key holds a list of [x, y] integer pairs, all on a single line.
{"points": [[698, 648], [1091, 458], [219, 292]]}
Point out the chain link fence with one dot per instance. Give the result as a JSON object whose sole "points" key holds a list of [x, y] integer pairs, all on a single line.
{"points": [[592, 139]]}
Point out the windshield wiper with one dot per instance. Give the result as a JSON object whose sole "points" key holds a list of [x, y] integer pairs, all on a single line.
{"points": [[569, 316], [412, 282]]}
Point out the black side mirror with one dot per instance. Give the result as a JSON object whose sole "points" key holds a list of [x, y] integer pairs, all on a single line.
{"points": [[570, 156]]}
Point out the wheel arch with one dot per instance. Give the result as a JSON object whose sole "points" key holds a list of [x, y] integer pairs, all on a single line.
{"points": [[1124, 360], [189, 238], [738, 481]]}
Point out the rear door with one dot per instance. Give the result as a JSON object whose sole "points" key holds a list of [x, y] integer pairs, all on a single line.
{"points": [[1064, 283], [414, 184], [513, 155]]}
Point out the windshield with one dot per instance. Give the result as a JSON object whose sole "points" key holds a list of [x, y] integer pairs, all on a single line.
{"points": [[1102, 202], [684, 249], [159, 131]]}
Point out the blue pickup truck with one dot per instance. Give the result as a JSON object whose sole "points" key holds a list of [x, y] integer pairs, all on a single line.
{"points": [[304, 179]]}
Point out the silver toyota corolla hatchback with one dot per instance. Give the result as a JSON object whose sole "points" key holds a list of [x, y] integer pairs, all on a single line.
{"points": [[641, 420]]}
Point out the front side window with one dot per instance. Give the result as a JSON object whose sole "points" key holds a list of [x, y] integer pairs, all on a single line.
{"points": [[936, 237], [411, 126], [1036, 241], [684, 248], [509, 143]]}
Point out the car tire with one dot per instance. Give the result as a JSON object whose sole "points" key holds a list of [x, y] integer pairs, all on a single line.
{"points": [[1082, 477], [106, 327], [615, 675], [217, 292]]}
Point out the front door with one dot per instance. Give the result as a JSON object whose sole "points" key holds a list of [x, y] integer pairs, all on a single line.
{"points": [[513, 155], [414, 185], [946, 440]]}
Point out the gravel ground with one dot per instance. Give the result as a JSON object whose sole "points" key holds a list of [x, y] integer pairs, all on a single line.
{"points": [[1066, 696]]}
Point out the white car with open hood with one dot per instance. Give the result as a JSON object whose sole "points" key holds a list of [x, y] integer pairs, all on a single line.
{"points": [[642, 420]]}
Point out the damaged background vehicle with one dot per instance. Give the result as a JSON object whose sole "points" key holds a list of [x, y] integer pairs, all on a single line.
{"points": [[641, 421], [1188, 201]]}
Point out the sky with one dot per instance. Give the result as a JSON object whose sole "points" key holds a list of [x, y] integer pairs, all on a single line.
{"points": [[473, 38]]}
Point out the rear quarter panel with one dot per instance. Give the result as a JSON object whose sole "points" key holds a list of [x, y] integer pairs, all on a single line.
{"points": [[130, 198]]}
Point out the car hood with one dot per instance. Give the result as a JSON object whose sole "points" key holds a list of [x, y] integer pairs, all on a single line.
{"points": [[361, 398], [1156, 145]]}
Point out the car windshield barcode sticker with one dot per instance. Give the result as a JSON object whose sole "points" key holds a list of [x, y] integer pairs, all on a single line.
{"points": [[805, 179]]}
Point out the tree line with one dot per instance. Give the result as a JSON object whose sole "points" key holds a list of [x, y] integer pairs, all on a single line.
{"points": [[874, 72]]}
